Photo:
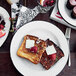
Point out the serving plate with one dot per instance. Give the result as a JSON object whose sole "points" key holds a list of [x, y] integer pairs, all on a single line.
{"points": [[66, 13], [43, 30], [6, 16]]}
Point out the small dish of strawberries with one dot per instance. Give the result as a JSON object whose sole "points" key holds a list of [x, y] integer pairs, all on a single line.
{"points": [[2, 26], [47, 2]]}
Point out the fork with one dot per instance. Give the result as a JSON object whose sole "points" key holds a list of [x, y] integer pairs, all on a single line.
{"points": [[67, 35]]}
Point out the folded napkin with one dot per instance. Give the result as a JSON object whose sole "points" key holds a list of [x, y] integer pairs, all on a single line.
{"points": [[57, 17], [25, 14], [15, 9]]}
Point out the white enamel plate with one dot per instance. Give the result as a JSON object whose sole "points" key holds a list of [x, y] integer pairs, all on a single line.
{"points": [[42, 30], [66, 13], [6, 16]]}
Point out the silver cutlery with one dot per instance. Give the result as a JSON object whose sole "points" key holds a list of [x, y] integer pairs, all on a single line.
{"points": [[67, 35]]}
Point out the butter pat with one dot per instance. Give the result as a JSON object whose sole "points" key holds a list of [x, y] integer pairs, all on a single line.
{"points": [[50, 50], [29, 43]]}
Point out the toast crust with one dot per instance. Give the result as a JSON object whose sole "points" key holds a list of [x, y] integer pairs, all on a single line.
{"points": [[33, 57]]}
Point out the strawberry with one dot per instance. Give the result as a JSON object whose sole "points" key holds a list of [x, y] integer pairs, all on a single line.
{"points": [[1, 26], [34, 49], [53, 56], [48, 3], [9, 18], [2, 33], [52, 1]]}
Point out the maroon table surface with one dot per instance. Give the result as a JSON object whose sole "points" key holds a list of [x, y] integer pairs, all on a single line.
{"points": [[6, 66]]}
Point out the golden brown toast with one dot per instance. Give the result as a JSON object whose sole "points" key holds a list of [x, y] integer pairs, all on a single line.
{"points": [[33, 57]]}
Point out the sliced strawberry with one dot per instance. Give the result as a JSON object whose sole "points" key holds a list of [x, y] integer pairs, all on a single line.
{"points": [[53, 56], [52, 1], [2, 33], [9, 18], [34, 49], [1, 26], [48, 3]]}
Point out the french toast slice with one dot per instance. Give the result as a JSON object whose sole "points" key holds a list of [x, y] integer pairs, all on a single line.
{"points": [[25, 53], [46, 62]]}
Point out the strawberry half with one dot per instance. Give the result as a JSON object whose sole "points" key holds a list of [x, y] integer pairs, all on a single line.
{"points": [[34, 49], [2, 33], [1, 26], [52, 57]]}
